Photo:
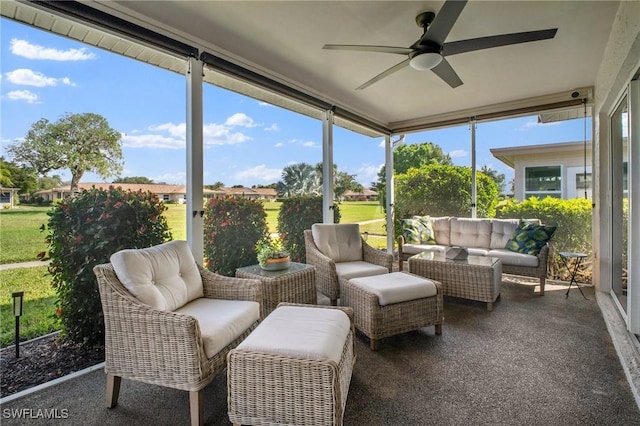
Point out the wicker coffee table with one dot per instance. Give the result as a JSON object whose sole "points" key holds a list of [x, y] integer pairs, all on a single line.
{"points": [[475, 278], [296, 284]]}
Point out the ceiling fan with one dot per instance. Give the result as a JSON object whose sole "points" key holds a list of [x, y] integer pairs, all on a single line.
{"points": [[430, 50]]}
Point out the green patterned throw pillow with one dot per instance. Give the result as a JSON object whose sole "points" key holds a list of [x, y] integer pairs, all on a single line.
{"points": [[427, 236], [411, 230], [529, 238]]}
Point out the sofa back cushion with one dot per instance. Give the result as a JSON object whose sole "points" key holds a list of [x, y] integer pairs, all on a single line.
{"points": [[164, 277], [501, 232], [341, 242], [441, 227], [466, 232]]}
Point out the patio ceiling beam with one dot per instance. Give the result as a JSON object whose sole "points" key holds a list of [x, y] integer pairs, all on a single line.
{"points": [[252, 77], [105, 21]]}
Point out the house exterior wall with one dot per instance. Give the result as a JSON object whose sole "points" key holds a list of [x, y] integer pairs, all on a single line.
{"points": [[568, 163]]}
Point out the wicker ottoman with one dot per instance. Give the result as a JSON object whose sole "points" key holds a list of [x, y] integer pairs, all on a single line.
{"points": [[294, 368], [390, 304]]}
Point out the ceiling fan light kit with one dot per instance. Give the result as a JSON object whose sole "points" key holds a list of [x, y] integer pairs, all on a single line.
{"points": [[425, 61], [429, 52]]}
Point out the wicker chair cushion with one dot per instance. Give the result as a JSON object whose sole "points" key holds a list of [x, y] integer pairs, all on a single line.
{"points": [[340, 242], [165, 276], [300, 332], [221, 321], [359, 268], [397, 287]]}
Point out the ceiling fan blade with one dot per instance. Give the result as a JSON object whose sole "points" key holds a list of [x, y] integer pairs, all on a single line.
{"points": [[443, 22], [384, 74], [446, 72], [368, 48], [470, 45]]}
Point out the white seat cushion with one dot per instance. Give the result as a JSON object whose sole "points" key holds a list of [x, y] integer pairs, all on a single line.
{"points": [[164, 277], [221, 321], [513, 258], [419, 248], [340, 242], [359, 268], [474, 251], [397, 287], [300, 332]]}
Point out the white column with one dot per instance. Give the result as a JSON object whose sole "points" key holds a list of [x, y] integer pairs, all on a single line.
{"points": [[195, 158], [327, 167], [474, 197], [633, 248], [388, 165]]}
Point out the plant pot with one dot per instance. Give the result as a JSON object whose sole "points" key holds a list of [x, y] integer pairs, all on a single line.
{"points": [[277, 264]]}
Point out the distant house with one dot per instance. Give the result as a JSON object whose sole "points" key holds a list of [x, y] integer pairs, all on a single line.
{"points": [[167, 193], [366, 195], [557, 170], [7, 196]]}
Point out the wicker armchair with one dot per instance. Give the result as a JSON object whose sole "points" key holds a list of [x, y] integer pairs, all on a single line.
{"points": [[338, 251], [169, 348]]}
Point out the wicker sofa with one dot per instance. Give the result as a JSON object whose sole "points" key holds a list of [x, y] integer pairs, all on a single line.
{"points": [[481, 237]]}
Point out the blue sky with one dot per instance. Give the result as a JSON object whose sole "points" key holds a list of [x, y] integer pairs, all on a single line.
{"points": [[246, 142]]}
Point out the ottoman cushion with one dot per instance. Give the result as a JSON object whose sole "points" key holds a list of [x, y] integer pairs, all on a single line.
{"points": [[300, 332], [397, 287]]}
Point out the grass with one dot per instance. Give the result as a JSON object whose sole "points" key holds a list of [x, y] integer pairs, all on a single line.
{"points": [[20, 237], [39, 307]]}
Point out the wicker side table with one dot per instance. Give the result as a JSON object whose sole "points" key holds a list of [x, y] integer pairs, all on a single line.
{"points": [[297, 284], [475, 278]]}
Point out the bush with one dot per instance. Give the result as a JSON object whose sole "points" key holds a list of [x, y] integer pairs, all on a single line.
{"points": [[441, 190], [573, 219], [297, 214], [85, 231], [232, 227]]}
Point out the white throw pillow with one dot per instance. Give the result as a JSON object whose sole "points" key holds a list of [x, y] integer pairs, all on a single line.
{"points": [[165, 276]]}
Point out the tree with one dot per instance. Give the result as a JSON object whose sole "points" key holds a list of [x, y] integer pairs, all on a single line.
{"points": [[414, 155], [77, 142], [49, 182], [14, 176], [298, 180], [216, 185], [498, 178], [134, 179]]}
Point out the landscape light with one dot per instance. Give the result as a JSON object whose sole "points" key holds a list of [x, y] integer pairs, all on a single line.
{"points": [[17, 312]]}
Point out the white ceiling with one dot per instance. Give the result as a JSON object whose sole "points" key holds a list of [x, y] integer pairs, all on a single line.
{"points": [[283, 41]]}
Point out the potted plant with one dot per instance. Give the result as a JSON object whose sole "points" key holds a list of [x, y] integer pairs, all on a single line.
{"points": [[271, 254]]}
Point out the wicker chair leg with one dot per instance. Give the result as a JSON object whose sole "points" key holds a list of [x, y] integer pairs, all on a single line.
{"points": [[438, 329], [373, 344], [113, 390], [542, 283], [196, 403]]}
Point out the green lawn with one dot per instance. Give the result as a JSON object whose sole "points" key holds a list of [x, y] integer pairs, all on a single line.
{"points": [[39, 306]]}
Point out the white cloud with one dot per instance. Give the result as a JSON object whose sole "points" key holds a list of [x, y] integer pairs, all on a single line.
{"points": [[23, 95], [458, 153], [173, 136], [272, 128], [534, 123], [368, 171], [267, 104], [381, 144], [27, 77], [279, 145], [179, 178], [260, 172], [152, 141], [33, 51], [218, 134], [240, 119]]}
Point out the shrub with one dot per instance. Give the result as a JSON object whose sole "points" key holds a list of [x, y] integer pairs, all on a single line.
{"points": [[232, 227], [297, 214], [442, 190], [85, 231], [573, 218]]}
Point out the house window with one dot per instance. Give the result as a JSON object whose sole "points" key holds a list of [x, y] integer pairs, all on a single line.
{"points": [[165, 197], [543, 181]]}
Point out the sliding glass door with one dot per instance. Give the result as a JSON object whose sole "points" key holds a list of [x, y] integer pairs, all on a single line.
{"points": [[620, 201]]}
